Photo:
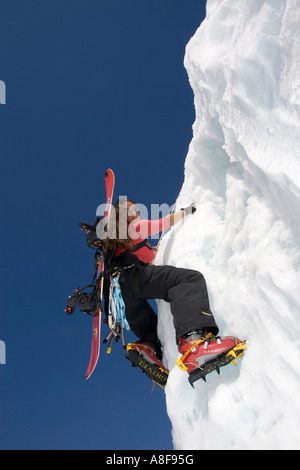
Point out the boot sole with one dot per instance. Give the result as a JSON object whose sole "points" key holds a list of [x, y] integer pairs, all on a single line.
{"points": [[153, 371]]}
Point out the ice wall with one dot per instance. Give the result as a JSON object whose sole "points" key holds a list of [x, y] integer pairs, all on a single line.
{"points": [[243, 171]]}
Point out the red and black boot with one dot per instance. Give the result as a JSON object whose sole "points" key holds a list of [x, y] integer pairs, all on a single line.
{"points": [[144, 357], [203, 353]]}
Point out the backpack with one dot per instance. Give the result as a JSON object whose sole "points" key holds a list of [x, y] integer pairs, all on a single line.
{"points": [[90, 302]]}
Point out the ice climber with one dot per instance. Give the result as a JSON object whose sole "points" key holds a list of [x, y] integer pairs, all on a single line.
{"points": [[184, 289]]}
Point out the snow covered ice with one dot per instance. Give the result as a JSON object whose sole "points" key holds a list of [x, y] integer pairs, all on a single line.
{"points": [[243, 172]]}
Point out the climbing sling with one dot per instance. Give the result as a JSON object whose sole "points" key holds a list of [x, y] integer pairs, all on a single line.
{"points": [[116, 313]]}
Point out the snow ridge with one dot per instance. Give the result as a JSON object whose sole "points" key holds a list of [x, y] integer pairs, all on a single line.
{"points": [[243, 171]]}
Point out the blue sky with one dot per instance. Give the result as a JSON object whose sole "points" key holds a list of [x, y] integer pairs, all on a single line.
{"points": [[90, 84]]}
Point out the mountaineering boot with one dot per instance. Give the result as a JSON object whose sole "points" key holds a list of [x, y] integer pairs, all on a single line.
{"points": [[144, 357], [203, 353]]}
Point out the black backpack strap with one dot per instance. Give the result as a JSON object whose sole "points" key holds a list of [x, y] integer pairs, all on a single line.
{"points": [[140, 245], [128, 259]]}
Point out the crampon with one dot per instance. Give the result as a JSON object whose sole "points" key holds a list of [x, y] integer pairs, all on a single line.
{"points": [[209, 353]]}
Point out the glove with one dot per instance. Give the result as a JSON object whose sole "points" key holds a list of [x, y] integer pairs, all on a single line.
{"points": [[190, 209]]}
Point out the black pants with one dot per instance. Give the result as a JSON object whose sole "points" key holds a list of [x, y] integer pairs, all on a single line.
{"points": [[184, 289]]}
